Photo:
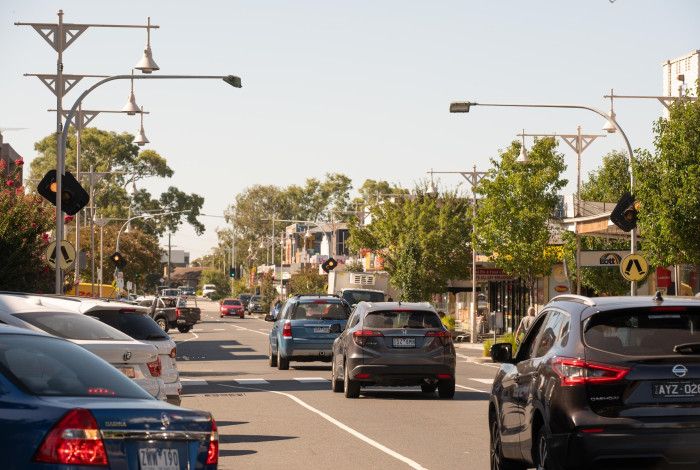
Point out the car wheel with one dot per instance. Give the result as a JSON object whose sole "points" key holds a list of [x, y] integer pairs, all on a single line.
{"points": [[184, 329], [273, 358], [282, 362], [350, 387], [336, 385], [498, 462], [163, 323], [428, 388], [446, 388], [543, 457]]}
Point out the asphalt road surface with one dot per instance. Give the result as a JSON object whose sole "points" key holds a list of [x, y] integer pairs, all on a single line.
{"points": [[290, 419]]}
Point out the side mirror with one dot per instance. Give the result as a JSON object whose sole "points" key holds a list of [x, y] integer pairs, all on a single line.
{"points": [[335, 328], [502, 352], [269, 317]]}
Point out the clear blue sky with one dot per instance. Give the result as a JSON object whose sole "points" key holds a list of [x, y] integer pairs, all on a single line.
{"points": [[360, 87]]}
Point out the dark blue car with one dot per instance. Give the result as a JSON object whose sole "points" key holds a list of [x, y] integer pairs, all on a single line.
{"points": [[305, 329], [62, 407]]}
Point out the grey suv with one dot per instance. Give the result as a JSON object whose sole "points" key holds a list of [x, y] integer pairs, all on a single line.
{"points": [[394, 344]]}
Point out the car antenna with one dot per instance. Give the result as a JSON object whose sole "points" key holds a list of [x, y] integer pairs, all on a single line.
{"points": [[658, 297]]}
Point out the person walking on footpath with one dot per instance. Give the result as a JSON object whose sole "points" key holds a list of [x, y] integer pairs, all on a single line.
{"points": [[525, 323]]}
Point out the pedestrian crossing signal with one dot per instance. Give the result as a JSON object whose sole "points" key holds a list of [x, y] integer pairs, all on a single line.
{"points": [[118, 260], [329, 265], [624, 215], [73, 196]]}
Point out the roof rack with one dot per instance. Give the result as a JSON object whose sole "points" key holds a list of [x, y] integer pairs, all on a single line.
{"points": [[581, 299], [296, 296]]}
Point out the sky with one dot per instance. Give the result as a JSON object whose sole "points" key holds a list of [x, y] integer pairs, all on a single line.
{"points": [[359, 87]]}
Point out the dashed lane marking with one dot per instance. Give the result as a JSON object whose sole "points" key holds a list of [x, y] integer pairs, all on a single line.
{"points": [[248, 329], [483, 381], [310, 379], [186, 382], [251, 381], [470, 389]]}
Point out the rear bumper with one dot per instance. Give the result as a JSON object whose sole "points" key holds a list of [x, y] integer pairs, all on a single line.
{"points": [[307, 350], [410, 374], [232, 313], [630, 448], [154, 386]]}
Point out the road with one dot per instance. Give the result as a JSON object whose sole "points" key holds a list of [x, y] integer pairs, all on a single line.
{"points": [[269, 418]]}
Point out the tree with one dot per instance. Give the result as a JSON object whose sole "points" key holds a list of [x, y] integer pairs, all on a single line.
{"points": [[422, 238], [308, 281], [513, 216], [668, 188], [268, 293]]}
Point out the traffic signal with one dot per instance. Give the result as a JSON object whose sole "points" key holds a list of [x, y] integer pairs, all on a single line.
{"points": [[232, 272], [118, 260], [73, 197], [329, 265], [625, 213]]}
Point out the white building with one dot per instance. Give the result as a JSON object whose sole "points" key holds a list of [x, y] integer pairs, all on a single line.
{"points": [[178, 258], [683, 72]]}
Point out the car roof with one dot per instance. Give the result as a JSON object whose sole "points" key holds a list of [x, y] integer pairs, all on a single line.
{"points": [[76, 304], [418, 306], [14, 330], [17, 302], [361, 290], [591, 305]]}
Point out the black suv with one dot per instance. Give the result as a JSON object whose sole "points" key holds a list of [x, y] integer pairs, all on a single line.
{"points": [[607, 382]]}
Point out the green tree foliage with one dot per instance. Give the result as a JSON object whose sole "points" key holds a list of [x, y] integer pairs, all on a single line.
{"points": [[268, 293], [668, 187], [513, 216], [24, 223], [308, 281], [219, 279], [423, 239]]}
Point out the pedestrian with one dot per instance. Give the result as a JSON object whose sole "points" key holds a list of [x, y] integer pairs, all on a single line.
{"points": [[525, 323]]}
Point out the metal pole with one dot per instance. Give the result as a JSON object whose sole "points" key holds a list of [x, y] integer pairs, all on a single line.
{"points": [[578, 208], [101, 259], [58, 280], [78, 129], [472, 322], [169, 253], [92, 231]]}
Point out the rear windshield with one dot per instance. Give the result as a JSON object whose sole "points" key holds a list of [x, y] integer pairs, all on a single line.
{"points": [[320, 310], [244, 296], [137, 325], [170, 302], [643, 332], [232, 302], [419, 319], [72, 326], [52, 367], [356, 296]]}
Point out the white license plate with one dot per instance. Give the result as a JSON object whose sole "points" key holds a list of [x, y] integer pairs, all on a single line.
{"points": [[404, 342], [159, 459], [322, 329], [128, 371]]}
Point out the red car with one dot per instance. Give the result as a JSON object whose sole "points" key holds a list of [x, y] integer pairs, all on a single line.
{"points": [[231, 307]]}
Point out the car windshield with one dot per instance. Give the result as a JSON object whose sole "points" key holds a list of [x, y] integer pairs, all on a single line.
{"points": [[52, 367], [355, 296], [320, 310], [232, 302], [643, 332], [137, 325], [418, 319], [170, 302], [245, 296], [72, 326]]}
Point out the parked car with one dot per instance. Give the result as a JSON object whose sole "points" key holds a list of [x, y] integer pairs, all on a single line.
{"points": [[600, 382], [208, 290], [169, 292], [305, 329], [136, 360], [231, 307], [394, 344], [187, 290], [354, 296], [274, 311], [70, 409], [255, 305], [171, 312], [135, 322], [245, 298]]}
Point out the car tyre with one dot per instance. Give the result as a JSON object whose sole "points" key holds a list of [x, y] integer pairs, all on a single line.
{"points": [[273, 358], [543, 457], [350, 387], [446, 388], [428, 388], [498, 462], [163, 323], [282, 362], [184, 329], [336, 385]]}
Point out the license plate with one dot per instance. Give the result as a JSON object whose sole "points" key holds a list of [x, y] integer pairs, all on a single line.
{"points": [[128, 371], [675, 389], [159, 459], [322, 329], [181, 321], [404, 342]]}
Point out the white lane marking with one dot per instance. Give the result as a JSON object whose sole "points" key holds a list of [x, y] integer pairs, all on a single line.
{"points": [[219, 329], [193, 382], [411, 463], [248, 329], [310, 379], [483, 381], [252, 381], [262, 329], [194, 336], [230, 346], [471, 389]]}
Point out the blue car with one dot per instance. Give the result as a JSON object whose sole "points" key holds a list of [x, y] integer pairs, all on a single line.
{"points": [[305, 329], [62, 407]]}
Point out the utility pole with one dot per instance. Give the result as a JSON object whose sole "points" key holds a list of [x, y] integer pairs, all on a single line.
{"points": [[169, 253]]}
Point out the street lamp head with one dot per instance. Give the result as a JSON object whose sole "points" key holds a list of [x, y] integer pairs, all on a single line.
{"points": [[142, 139], [610, 126], [461, 106], [147, 64], [131, 107], [233, 80], [522, 158]]}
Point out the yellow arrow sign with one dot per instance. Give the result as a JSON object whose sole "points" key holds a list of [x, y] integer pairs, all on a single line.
{"points": [[64, 256], [634, 267]]}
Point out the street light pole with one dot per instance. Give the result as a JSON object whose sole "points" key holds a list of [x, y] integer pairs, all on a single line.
{"points": [[578, 142], [464, 107], [473, 177]]}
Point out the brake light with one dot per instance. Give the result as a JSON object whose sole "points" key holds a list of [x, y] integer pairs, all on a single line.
{"points": [[579, 372], [444, 335], [592, 430], [213, 451], [177, 313], [362, 376], [74, 440], [361, 336], [127, 310], [155, 367], [173, 353], [287, 329], [444, 376], [668, 309]]}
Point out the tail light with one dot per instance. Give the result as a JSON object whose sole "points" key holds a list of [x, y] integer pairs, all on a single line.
{"points": [[444, 335], [173, 353], [361, 336], [287, 329], [177, 313], [74, 440], [213, 451], [579, 372], [155, 367]]}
